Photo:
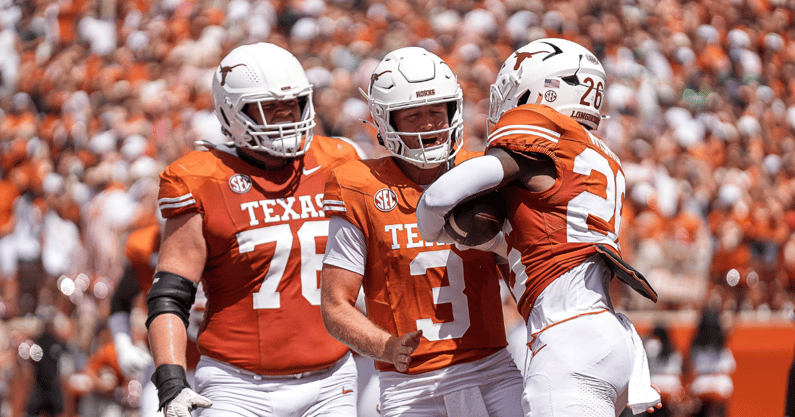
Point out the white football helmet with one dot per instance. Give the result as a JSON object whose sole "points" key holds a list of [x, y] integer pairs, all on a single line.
{"points": [[556, 72], [412, 77], [258, 73]]}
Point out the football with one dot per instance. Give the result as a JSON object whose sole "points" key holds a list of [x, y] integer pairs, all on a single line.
{"points": [[476, 221]]}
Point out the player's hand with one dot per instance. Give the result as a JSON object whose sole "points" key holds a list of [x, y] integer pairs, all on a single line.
{"points": [[174, 395], [654, 407], [659, 404], [185, 402], [401, 350], [132, 359]]}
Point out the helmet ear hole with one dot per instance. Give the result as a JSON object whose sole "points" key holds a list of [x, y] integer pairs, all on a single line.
{"points": [[223, 114], [451, 108], [571, 79], [523, 98]]}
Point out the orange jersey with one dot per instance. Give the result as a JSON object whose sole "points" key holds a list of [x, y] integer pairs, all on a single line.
{"points": [[266, 235], [8, 193], [141, 250], [552, 231], [104, 358], [409, 284]]}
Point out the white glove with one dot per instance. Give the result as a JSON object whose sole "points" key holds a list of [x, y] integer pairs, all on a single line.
{"points": [[185, 402], [132, 359]]}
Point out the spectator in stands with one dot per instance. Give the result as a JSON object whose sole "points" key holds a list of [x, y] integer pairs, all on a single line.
{"points": [[665, 366], [711, 363], [47, 395], [728, 68], [101, 387]]}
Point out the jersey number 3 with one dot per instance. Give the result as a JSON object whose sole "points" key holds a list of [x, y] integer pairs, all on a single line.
{"points": [[453, 294]]}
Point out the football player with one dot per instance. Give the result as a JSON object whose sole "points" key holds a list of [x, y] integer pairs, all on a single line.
{"points": [[245, 219], [141, 251], [564, 190], [434, 321]]}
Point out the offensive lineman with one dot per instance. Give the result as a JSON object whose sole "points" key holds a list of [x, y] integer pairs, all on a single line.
{"points": [[434, 318], [246, 219]]}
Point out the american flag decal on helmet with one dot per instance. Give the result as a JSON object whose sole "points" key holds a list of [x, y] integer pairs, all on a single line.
{"points": [[551, 83]]}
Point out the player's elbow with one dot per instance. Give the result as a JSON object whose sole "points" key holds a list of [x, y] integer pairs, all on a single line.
{"points": [[436, 202]]}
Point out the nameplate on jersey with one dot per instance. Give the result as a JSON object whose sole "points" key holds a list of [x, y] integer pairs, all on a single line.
{"points": [[276, 210]]}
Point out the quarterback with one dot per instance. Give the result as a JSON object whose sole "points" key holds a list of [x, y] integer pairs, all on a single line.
{"points": [[434, 320]]}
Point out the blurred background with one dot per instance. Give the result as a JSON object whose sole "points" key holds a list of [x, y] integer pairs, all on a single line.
{"points": [[98, 96]]}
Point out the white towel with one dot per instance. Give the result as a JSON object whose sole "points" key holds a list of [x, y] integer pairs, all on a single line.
{"points": [[467, 402], [641, 394]]}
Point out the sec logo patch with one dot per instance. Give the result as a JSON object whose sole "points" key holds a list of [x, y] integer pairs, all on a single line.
{"points": [[240, 183], [385, 199]]}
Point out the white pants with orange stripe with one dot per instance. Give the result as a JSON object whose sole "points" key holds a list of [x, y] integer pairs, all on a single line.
{"points": [[581, 357], [489, 387], [236, 392]]}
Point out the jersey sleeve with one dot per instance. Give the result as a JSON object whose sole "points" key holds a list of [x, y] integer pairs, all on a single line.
{"points": [[526, 129], [340, 200], [176, 196], [346, 247]]}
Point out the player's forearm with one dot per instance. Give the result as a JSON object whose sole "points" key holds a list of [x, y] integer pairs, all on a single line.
{"points": [[348, 325], [471, 178], [168, 340]]}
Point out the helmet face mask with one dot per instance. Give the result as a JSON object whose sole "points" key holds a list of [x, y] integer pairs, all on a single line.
{"points": [[555, 72], [252, 76], [413, 77]]}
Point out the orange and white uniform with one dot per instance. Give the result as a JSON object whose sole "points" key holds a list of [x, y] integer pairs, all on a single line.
{"points": [[557, 278], [557, 229], [453, 296], [582, 354], [265, 234]]}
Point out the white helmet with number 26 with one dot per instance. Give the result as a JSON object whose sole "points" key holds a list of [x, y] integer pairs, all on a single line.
{"points": [[411, 77], [556, 72], [252, 75]]}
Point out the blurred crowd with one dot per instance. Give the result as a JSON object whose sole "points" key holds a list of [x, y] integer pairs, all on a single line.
{"points": [[98, 96]]}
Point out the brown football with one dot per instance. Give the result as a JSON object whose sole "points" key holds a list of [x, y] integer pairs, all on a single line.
{"points": [[476, 221]]}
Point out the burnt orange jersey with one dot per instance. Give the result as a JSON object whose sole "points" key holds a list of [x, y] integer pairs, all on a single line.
{"points": [[410, 284], [266, 235], [141, 249], [552, 231], [105, 357]]}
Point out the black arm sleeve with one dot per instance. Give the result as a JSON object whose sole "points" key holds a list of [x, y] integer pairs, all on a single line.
{"points": [[171, 294]]}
